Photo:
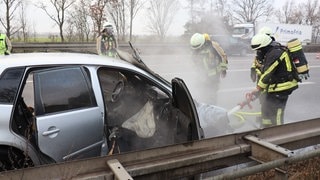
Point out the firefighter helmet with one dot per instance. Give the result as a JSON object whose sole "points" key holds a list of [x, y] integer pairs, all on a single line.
{"points": [[107, 25], [265, 30], [197, 40], [108, 28], [259, 41]]}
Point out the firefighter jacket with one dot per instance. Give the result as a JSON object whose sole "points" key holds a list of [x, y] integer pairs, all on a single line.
{"points": [[5, 45], [277, 72], [107, 45], [257, 65], [214, 58]]}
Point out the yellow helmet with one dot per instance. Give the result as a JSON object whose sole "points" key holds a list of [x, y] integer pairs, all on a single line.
{"points": [[259, 41], [206, 37], [197, 40]]}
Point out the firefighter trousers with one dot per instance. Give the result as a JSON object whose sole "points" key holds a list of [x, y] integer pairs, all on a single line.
{"points": [[272, 108]]}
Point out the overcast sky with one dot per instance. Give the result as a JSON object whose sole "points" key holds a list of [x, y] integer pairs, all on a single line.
{"points": [[42, 23]]}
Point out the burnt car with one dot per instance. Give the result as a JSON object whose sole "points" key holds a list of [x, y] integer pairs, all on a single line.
{"points": [[56, 107]]}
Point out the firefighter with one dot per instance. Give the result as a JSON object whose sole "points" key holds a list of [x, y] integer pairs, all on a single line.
{"points": [[255, 70], [276, 82], [5, 44], [212, 59], [106, 42]]}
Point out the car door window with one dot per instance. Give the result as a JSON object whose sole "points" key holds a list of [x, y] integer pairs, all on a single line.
{"points": [[62, 89], [69, 122], [9, 83]]}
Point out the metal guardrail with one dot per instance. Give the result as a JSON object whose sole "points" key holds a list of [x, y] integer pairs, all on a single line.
{"points": [[145, 48], [269, 148], [49, 47], [91, 47]]}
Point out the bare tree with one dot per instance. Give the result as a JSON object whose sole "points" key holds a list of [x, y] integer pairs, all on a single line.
{"points": [[79, 19], [312, 14], [23, 22], [11, 6], [211, 17], [286, 14], [59, 14], [290, 13], [296, 17], [121, 10], [197, 9], [117, 13], [70, 30], [161, 14], [134, 6], [97, 9], [312, 11], [251, 10]]}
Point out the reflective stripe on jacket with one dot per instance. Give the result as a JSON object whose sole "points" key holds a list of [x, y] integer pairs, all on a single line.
{"points": [[3, 46]]}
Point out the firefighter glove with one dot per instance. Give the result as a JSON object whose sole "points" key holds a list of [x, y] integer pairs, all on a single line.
{"points": [[253, 74], [253, 95], [304, 76]]}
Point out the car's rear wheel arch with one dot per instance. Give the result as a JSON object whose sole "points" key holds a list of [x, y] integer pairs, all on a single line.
{"points": [[13, 158]]}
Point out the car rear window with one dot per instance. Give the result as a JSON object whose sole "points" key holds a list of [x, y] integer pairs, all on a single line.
{"points": [[9, 84], [63, 89]]}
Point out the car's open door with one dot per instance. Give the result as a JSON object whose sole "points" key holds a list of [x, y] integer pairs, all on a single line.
{"points": [[69, 121], [183, 101]]}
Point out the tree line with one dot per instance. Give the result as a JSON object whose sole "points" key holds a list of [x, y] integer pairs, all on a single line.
{"points": [[82, 20]]}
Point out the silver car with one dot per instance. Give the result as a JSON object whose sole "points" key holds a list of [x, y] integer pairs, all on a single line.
{"points": [[56, 107]]}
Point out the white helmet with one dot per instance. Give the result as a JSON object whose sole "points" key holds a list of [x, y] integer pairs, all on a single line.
{"points": [[265, 30], [197, 40], [107, 28], [107, 25], [259, 41]]}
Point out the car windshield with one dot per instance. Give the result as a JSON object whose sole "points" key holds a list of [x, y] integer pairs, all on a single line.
{"points": [[240, 30]]}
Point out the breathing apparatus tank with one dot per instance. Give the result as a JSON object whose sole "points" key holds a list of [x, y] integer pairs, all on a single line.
{"points": [[297, 56]]}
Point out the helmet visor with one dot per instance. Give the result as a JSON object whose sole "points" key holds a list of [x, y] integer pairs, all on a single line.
{"points": [[196, 46], [255, 46]]}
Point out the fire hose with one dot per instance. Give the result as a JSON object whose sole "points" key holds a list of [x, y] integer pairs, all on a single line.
{"points": [[249, 97]]}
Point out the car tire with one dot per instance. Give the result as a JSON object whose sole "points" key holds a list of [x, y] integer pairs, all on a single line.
{"points": [[11, 159]]}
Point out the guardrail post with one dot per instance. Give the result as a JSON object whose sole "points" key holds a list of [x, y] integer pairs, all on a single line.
{"points": [[263, 151], [118, 170]]}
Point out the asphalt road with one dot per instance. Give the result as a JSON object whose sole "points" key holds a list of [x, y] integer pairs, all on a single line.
{"points": [[302, 105]]}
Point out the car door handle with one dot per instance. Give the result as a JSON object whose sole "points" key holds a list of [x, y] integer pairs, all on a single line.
{"points": [[47, 133]]}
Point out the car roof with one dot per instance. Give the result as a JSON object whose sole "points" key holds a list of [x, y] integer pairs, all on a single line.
{"points": [[60, 58], [38, 59]]}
